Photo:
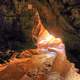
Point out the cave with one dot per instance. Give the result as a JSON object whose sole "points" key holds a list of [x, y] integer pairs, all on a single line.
{"points": [[39, 40]]}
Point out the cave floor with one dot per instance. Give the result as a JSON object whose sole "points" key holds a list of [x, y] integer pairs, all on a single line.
{"points": [[38, 66]]}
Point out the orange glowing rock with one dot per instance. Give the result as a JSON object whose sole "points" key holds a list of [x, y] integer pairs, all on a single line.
{"points": [[39, 67]]}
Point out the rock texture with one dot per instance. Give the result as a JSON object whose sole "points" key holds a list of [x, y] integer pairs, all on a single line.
{"points": [[41, 66], [59, 17], [16, 23], [62, 18]]}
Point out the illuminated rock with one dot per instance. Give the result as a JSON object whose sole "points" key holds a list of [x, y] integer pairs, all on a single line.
{"points": [[39, 67]]}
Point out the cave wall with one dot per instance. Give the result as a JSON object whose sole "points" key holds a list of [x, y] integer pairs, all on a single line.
{"points": [[63, 16], [16, 23]]}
